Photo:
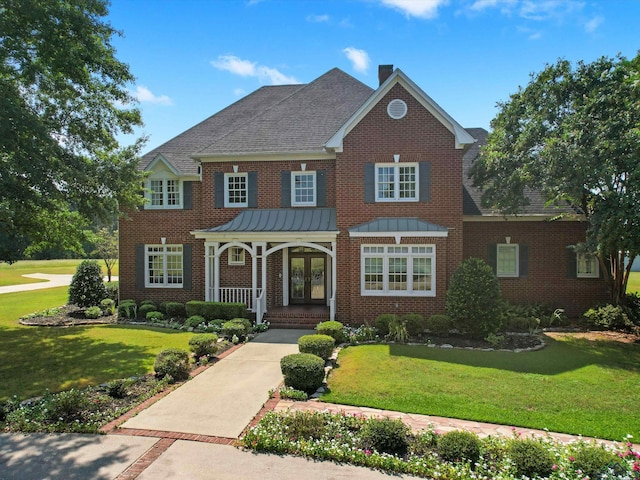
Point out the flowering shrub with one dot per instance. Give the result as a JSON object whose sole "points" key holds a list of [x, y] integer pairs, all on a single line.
{"points": [[340, 437], [363, 333]]}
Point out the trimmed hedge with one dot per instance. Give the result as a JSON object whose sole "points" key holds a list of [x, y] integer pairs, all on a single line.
{"points": [[333, 329], [203, 344], [175, 309], [459, 446], [146, 308], [214, 310], [414, 322], [440, 325], [302, 371], [320, 345]]}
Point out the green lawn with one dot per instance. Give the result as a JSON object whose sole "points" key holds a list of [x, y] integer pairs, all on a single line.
{"points": [[574, 386], [12, 274], [33, 359], [634, 282]]}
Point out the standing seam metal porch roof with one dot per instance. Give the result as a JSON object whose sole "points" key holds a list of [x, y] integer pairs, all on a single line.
{"points": [[397, 224], [281, 220]]}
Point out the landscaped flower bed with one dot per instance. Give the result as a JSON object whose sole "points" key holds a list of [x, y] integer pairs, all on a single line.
{"points": [[388, 445]]}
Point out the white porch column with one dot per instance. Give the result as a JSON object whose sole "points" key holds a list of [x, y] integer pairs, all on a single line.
{"points": [[207, 271], [263, 281], [216, 271], [334, 278], [254, 276]]}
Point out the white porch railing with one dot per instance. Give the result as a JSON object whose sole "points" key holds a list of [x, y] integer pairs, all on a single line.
{"points": [[261, 306], [238, 295]]}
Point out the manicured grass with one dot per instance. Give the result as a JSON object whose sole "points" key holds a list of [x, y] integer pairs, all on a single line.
{"points": [[33, 359], [634, 282], [12, 274], [574, 385]]}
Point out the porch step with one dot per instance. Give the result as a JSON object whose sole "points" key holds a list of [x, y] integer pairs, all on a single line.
{"points": [[296, 317]]}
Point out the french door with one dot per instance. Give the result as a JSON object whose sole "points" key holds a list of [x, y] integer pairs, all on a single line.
{"points": [[307, 279]]}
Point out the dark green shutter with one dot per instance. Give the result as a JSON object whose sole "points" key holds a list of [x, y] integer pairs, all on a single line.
{"points": [[572, 263], [187, 195], [218, 189], [187, 267], [369, 183], [424, 175], [492, 256], [139, 267], [285, 189], [321, 188], [524, 260], [252, 189]]}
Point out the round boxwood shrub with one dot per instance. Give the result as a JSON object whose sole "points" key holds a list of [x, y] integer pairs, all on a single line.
{"points": [[440, 325], [173, 362], [108, 306], [302, 371], [93, 312], [203, 344], [146, 308], [414, 322], [149, 302], [382, 323], [320, 345], [459, 446], [531, 458], [194, 321], [154, 316], [87, 287], [245, 322], [473, 299], [333, 329], [594, 460], [175, 309], [385, 435], [231, 329]]}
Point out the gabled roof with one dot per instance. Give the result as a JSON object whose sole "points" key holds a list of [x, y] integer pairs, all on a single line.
{"points": [[461, 136], [281, 220]]}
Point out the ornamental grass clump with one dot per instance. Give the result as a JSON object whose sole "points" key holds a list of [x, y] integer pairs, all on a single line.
{"points": [[320, 345], [302, 371]]}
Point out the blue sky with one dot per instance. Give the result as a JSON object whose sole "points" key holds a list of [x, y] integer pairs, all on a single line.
{"points": [[192, 58]]}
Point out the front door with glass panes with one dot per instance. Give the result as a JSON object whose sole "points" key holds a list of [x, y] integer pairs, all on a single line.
{"points": [[307, 278]]}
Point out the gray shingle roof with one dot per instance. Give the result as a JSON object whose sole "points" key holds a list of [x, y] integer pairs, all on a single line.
{"points": [[397, 224], [281, 220], [273, 119]]}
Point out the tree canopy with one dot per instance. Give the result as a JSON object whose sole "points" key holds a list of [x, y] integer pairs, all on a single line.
{"points": [[573, 133], [63, 103]]}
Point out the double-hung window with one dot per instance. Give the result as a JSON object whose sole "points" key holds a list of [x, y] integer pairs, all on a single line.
{"points": [[587, 266], [164, 193], [163, 266], [400, 270], [507, 260], [236, 256], [236, 191], [396, 182], [303, 189]]}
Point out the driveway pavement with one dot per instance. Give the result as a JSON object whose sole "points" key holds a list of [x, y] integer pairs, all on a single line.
{"points": [[51, 281]]}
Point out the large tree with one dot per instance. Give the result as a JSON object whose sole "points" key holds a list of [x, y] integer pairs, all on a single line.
{"points": [[574, 134], [63, 103]]}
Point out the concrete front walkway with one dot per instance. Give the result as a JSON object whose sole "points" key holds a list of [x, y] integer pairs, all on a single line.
{"points": [[222, 400]]}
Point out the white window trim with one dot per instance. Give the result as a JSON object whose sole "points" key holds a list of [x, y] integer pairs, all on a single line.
{"points": [[238, 262], [385, 292], [165, 193], [164, 254], [396, 167], [293, 190], [596, 270], [508, 275], [227, 203]]}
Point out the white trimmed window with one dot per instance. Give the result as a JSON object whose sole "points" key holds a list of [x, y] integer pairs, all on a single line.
{"points": [[303, 189], [507, 260], [587, 266], [396, 182], [236, 256], [164, 193], [398, 270], [235, 190], [163, 266]]}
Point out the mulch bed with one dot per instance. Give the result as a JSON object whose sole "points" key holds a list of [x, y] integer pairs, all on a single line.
{"points": [[67, 316], [512, 341]]}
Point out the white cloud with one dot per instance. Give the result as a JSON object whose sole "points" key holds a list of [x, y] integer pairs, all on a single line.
{"points": [[592, 25], [247, 68], [239, 92], [537, 10], [416, 8], [359, 58], [144, 95], [318, 18], [504, 5]]}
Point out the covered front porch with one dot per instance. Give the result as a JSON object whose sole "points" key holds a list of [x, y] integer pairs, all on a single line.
{"points": [[273, 259]]}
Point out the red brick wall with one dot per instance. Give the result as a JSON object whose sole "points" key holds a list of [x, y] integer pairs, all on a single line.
{"points": [[547, 281], [418, 137]]}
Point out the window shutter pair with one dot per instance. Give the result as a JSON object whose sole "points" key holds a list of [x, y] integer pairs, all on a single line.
{"points": [[321, 188], [523, 259], [187, 266], [424, 182], [252, 190]]}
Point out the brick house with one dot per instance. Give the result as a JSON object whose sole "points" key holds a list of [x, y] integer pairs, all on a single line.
{"points": [[333, 200]]}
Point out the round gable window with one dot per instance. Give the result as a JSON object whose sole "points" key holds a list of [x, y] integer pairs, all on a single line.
{"points": [[397, 109]]}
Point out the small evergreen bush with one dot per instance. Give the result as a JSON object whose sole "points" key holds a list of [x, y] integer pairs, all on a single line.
{"points": [[440, 325], [302, 371], [66, 406], [459, 446], [333, 329], [154, 316], [146, 308], [149, 302], [108, 306], [203, 344], [112, 290], [414, 322], [175, 309], [87, 287], [320, 345], [473, 299], [385, 435], [382, 323], [172, 362], [93, 312], [609, 317], [231, 329], [117, 388], [594, 460], [246, 323], [194, 321], [531, 458]]}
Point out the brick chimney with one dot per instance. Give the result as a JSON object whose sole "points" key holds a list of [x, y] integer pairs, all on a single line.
{"points": [[384, 72]]}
